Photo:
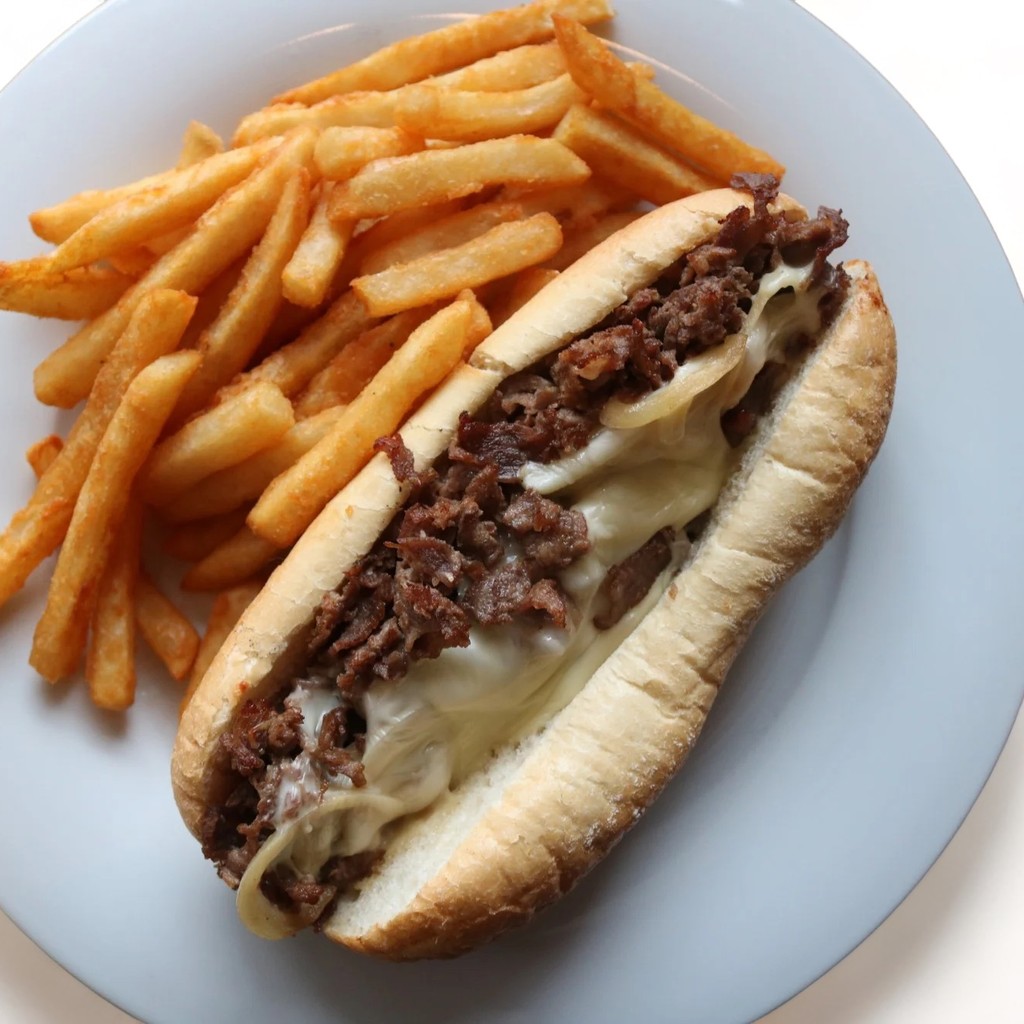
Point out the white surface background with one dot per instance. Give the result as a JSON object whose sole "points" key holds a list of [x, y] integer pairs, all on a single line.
{"points": [[951, 952]]}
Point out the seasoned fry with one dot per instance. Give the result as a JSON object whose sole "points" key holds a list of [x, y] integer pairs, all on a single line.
{"points": [[583, 239], [398, 183], [309, 273], [247, 480], [522, 288], [623, 155], [598, 72], [292, 367], [110, 658], [29, 286], [222, 436], [340, 152], [440, 234], [474, 116], [61, 631], [226, 611], [499, 252], [152, 212], [171, 636], [224, 233], [199, 143], [236, 560], [453, 46], [194, 541], [295, 498], [41, 455], [35, 530], [230, 341], [341, 380]]}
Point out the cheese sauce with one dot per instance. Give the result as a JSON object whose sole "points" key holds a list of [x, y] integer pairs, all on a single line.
{"points": [[429, 729]]}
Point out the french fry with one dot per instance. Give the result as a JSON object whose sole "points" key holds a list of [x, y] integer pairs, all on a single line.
{"points": [[571, 204], [522, 288], [292, 367], [401, 182], [224, 233], [191, 542], [132, 262], [341, 380], [35, 531], [295, 498], [172, 638], [624, 156], [440, 234], [222, 436], [110, 657], [501, 251], [211, 301], [309, 273], [30, 286], [475, 116], [583, 239], [227, 609], [57, 223], [401, 223], [230, 341], [340, 152], [199, 143], [152, 212], [236, 560], [480, 324], [598, 72], [247, 480], [453, 46], [41, 455], [356, 110], [60, 634], [516, 68]]}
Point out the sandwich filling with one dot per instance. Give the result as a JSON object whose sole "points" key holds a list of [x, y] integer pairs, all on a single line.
{"points": [[526, 555]]}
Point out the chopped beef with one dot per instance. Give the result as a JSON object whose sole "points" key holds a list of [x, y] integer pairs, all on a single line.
{"points": [[429, 621], [531, 513], [260, 729], [500, 595], [627, 583], [548, 598], [473, 547], [431, 558], [505, 445]]}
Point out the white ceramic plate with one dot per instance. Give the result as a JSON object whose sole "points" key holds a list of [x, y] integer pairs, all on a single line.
{"points": [[855, 731]]}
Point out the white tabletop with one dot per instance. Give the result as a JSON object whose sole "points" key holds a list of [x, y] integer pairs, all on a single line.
{"points": [[951, 952]]}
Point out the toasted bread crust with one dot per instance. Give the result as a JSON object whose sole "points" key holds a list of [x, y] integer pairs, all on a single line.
{"points": [[519, 833]]}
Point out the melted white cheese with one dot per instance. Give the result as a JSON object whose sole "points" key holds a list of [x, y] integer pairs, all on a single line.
{"points": [[428, 730]]}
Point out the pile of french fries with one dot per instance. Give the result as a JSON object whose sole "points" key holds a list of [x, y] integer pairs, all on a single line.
{"points": [[258, 315]]}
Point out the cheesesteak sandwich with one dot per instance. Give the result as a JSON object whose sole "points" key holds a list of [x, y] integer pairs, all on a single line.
{"points": [[492, 650]]}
